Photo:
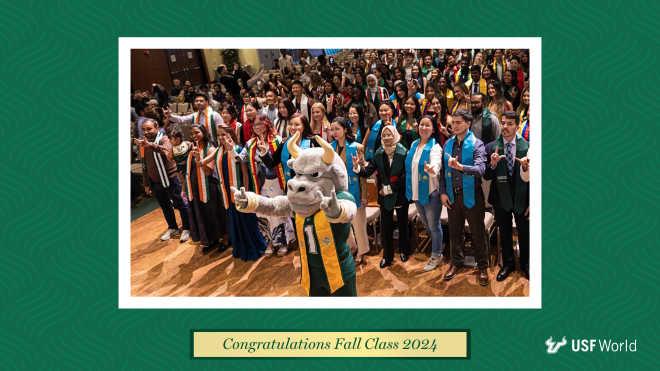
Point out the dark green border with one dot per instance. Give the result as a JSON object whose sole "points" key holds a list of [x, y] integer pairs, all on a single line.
{"points": [[467, 331]]}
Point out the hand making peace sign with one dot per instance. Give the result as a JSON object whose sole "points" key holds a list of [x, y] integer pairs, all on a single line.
{"points": [[261, 143]]}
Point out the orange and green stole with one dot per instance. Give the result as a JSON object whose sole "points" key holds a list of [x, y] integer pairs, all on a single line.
{"points": [[233, 173], [202, 179]]}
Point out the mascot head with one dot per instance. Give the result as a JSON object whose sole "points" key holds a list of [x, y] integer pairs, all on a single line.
{"points": [[317, 169]]}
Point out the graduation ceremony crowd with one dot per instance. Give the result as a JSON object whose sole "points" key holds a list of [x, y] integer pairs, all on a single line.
{"points": [[427, 126]]}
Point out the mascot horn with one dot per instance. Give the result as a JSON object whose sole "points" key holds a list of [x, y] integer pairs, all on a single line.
{"points": [[318, 200]]}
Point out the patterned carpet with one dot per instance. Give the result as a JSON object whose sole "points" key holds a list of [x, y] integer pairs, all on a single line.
{"points": [[172, 268]]}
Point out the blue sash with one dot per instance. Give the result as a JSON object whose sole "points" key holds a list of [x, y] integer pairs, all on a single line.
{"points": [[284, 157], [358, 136], [371, 141], [468, 159], [353, 180], [422, 176]]}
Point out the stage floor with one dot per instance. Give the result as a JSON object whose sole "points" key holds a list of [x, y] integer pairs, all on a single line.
{"points": [[171, 268]]}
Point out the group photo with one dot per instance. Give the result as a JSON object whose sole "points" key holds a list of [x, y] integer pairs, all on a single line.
{"points": [[350, 172]]}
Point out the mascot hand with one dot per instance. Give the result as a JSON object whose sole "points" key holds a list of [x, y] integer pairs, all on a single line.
{"points": [[240, 198], [330, 205]]}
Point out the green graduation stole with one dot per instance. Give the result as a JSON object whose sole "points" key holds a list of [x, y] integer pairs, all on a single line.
{"points": [[398, 167], [518, 205], [486, 123], [402, 130]]}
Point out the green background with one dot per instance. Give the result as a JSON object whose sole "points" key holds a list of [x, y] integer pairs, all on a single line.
{"points": [[59, 206]]}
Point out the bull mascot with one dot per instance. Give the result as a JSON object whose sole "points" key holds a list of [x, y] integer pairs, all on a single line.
{"points": [[318, 198]]}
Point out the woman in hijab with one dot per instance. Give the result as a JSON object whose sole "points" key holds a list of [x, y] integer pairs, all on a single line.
{"points": [[375, 93], [390, 161]]}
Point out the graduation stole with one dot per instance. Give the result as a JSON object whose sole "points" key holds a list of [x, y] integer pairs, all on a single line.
{"points": [[455, 107], [326, 241], [425, 71], [468, 159], [523, 129], [449, 96], [483, 89], [285, 156], [403, 128], [350, 149], [324, 101], [495, 67], [233, 173], [425, 107], [243, 115], [396, 108], [202, 179], [158, 159], [233, 124], [273, 145], [380, 96], [208, 122], [486, 123], [422, 176], [457, 75], [518, 205]]}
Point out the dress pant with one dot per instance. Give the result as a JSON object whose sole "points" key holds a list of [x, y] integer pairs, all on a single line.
{"points": [[475, 218], [504, 222], [169, 196], [359, 231], [387, 233]]}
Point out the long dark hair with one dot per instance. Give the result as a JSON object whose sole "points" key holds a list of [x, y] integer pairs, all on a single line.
{"points": [[290, 109], [205, 133], [417, 114], [444, 111], [436, 132], [307, 132], [403, 86], [334, 88], [350, 137], [362, 75]]}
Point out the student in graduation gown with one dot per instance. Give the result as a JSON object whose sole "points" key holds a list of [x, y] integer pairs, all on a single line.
{"points": [[208, 218], [351, 151], [390, 162], [247, 242], [509, 192]]}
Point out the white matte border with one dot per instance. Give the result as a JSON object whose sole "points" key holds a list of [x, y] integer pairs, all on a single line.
{"points": [[127, 301]]}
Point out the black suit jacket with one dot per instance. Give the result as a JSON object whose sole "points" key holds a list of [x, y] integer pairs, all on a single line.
{"points": [[491, 174], [398, 186]]}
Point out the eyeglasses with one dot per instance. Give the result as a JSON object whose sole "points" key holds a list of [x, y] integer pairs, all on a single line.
{"points": [[257, 124]]}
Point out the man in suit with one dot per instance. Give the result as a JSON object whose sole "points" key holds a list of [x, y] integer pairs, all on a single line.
{"points": [[463, 166], [509, 193]]}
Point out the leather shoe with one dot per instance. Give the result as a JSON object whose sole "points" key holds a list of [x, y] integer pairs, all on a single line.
{"points": [[223, 246], [384, 263], [504, 273], [483, 277], [453, 271], [404, 258]]}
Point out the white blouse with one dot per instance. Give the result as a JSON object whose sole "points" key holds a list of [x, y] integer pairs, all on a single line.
{"points": [[435, 161]]}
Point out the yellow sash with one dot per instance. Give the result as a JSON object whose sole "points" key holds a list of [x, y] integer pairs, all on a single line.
{"points": [[328, 251]]}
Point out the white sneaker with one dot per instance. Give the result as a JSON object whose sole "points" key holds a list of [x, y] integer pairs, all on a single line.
{"points": [[170, 233], [185, 236], [433, 263]]}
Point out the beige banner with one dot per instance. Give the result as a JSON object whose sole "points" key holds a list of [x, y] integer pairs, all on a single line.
{"points": [[383, 344]]}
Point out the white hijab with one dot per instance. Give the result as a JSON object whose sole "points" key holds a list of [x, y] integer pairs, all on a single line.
{"points": [[373, 90]]}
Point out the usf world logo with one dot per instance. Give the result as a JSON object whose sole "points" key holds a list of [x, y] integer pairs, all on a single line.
{"points": [[588, 345]]}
